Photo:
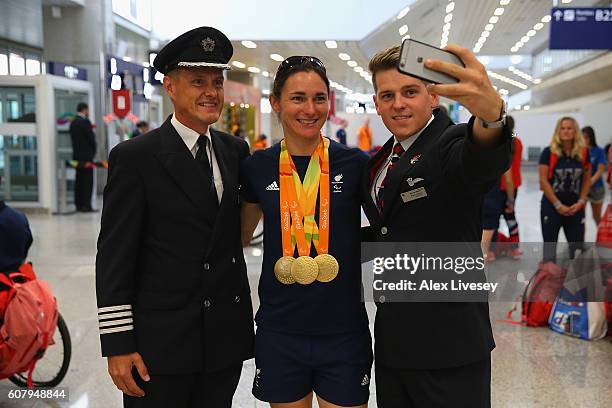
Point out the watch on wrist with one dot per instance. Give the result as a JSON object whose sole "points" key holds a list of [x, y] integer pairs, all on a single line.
{"points": [[497, 123]]}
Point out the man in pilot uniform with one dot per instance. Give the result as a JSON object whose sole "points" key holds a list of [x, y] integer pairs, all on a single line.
{"points": [[174, 306], [426, 185]]}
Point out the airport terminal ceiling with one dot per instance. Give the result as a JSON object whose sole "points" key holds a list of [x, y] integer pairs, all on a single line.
{"points": [[503, 34]]}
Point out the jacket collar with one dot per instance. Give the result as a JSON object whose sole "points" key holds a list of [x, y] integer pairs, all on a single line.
{"points": [[183, 168], [428, 136], [189, 136]]}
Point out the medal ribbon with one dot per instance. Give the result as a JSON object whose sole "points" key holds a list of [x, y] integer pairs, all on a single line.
{"points": [[298, 202]]}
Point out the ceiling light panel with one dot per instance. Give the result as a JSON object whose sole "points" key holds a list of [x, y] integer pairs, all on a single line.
{"points": [[448, 18], [490, 26], [403, 13], [249, 44], [507, 80], [530, 33]]}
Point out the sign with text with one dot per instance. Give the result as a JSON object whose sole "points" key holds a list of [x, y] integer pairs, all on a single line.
{"points": [[122, 103], [581, 28], [65, 70]]}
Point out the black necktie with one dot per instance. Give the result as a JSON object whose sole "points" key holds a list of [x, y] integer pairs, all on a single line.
{"points": [[396, 154], [202, 155], [202, 158]]}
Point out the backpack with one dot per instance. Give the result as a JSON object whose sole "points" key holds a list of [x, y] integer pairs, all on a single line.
{"points": [[539, 295], [604, 245], [552, 163], [30, 319], [608, 305], [604, 230]]}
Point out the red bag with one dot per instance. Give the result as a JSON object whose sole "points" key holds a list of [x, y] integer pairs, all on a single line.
{"points": [[608, 305], [30, 319], [539, 296], [504, 245], [604, 230]]}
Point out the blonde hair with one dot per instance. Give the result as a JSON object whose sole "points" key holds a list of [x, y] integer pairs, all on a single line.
{"points": [[556, 146], [383, 60]]}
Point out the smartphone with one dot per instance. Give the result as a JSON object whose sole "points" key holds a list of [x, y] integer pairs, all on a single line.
{"points": [[412, 62]]}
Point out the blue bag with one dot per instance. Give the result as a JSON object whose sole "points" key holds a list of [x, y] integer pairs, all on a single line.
{"points": [[573, 316]]}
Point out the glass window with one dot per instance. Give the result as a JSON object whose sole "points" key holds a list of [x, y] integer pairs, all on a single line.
{"points": [[32, 67], [19, 61], [16, 64], [18, 168], [4, 64], [17, 104], [133, 9]]}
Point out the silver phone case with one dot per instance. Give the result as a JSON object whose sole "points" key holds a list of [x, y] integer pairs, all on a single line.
{"points": [[412, 59]]}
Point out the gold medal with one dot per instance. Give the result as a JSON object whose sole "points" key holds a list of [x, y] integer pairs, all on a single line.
{"points": [[282, 270], [328, 267], [304, 270]]}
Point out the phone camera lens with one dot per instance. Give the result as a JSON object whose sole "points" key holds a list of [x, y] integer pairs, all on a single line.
{"points": [[419, 59]]}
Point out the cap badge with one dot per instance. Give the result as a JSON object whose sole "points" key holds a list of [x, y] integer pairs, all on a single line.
{"points": [[208, 44]]}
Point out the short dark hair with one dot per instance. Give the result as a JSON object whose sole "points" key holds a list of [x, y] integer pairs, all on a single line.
{"points": [[307, 66], [590, 133], [142, 123], [82, 106]]}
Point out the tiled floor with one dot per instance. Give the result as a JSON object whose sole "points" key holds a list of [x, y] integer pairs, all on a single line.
{"points": [[531, 367]]}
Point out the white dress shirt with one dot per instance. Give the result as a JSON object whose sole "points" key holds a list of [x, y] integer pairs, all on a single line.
{"points": [[190, 137], [382, 171]]}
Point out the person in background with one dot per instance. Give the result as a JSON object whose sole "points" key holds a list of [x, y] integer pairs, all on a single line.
{"points": [[597, 157], [609, 175], [15, 237], [565, 180], [241, 134], [142, 127], [364, 136], [261, 142], [492, 208], [510, 182], [500, 201], [83, 150], [341, 133]]}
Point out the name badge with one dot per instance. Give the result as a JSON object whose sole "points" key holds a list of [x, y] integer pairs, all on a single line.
{"points": [[415, 194]]}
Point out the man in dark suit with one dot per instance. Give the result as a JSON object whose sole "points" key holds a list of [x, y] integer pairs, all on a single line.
{"points": [[175, 314], [426, 185], [83, 150]]}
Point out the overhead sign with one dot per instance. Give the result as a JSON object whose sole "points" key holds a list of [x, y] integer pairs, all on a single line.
{"points": [[581, 28], [65, 70], [122, 103]]}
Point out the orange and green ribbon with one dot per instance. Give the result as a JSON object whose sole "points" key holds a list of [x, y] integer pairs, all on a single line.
{"points": [[298, 200]]}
